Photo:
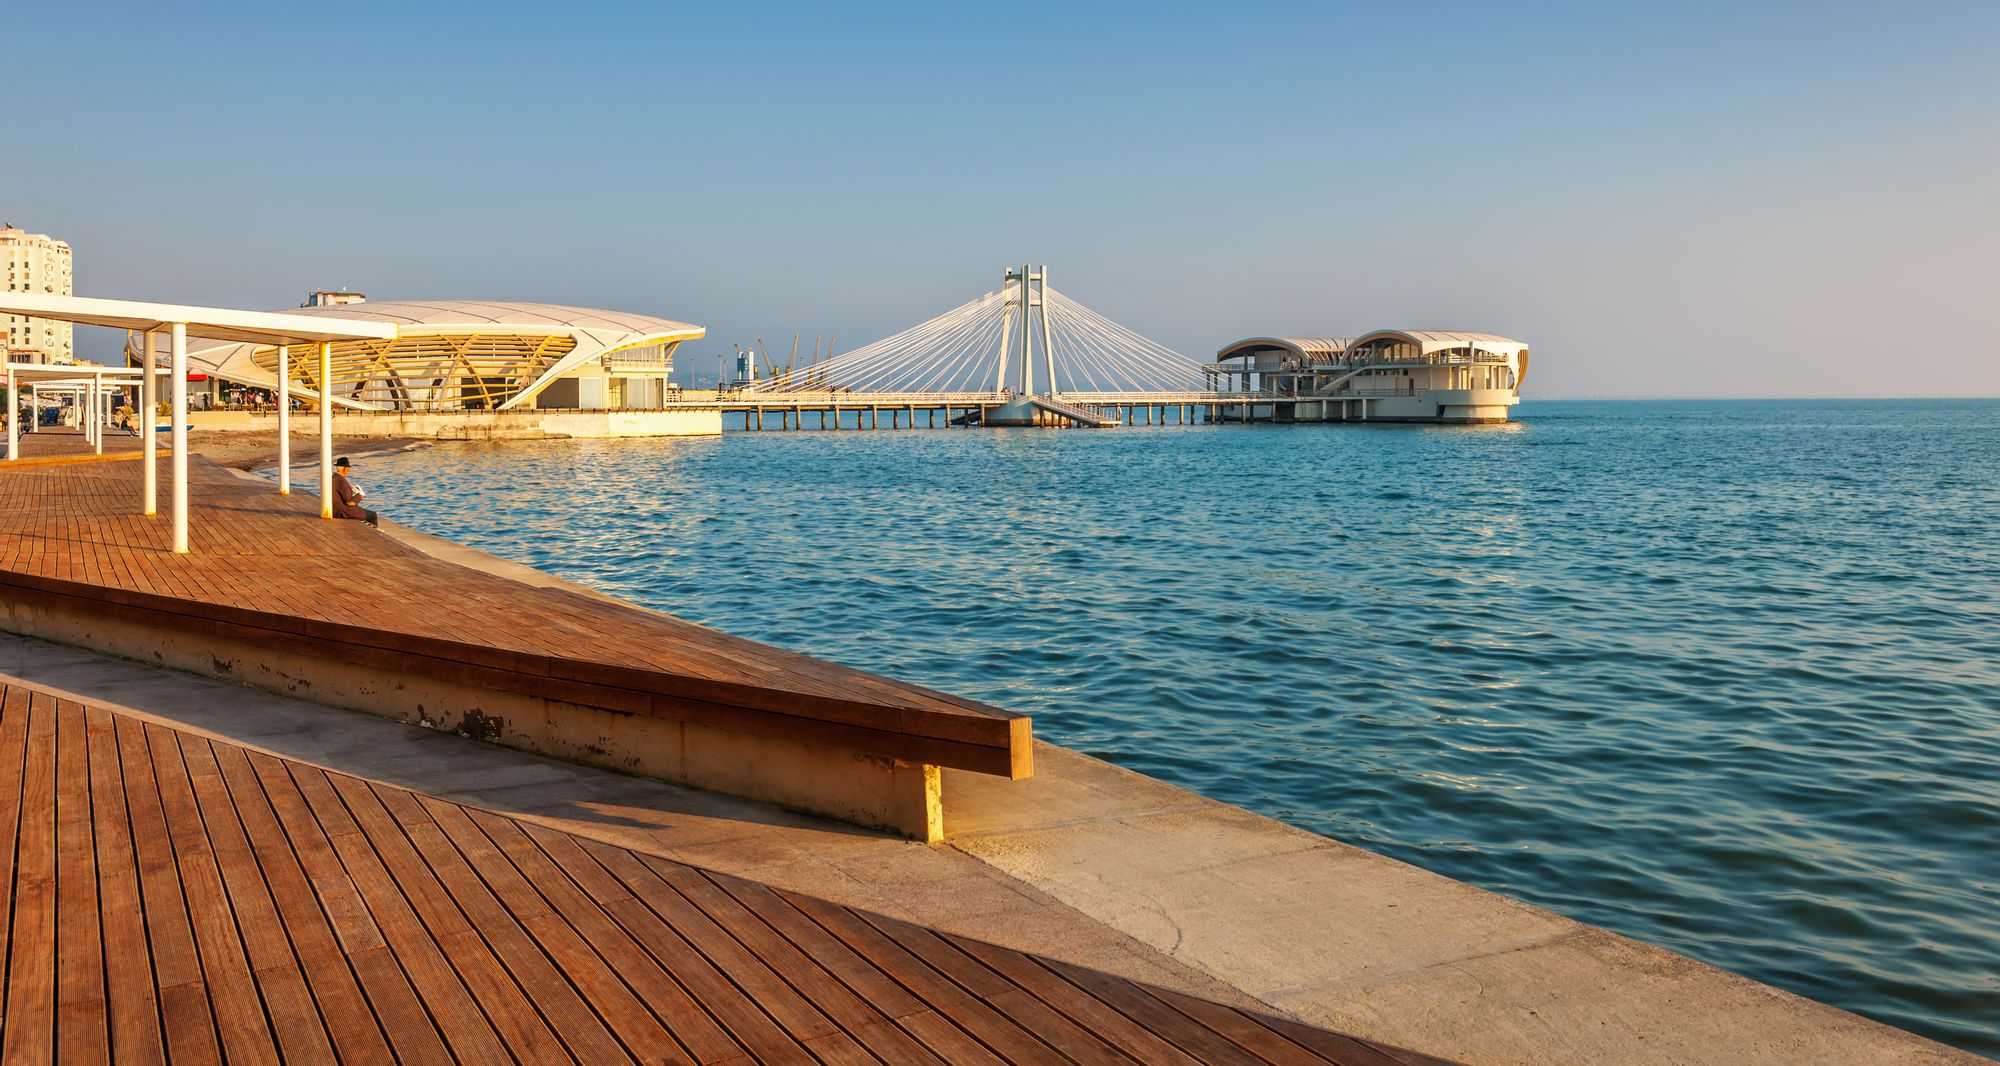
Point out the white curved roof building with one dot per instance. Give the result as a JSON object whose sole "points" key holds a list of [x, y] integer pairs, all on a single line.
{"points": [[476, 354], [1403, 375]]}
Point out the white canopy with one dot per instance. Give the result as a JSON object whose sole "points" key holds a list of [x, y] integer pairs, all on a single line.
{"points": [[179, 322], [216, 323]]}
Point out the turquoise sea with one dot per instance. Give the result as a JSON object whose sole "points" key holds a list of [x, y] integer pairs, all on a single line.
{"points": [[1723, 676]]}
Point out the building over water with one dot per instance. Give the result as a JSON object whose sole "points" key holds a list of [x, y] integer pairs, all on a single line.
{"points": [[460, 355], [36, 262], [1390, 375]]}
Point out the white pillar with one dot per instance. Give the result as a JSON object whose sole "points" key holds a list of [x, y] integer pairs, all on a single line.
{"points": [[178, 346], [149, 400], [13, 417], [325, 430], [35, 409], [97, 419], [284, 419]]}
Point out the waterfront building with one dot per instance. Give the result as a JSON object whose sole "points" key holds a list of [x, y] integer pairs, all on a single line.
{"points": [[1388, 375], [331, 298], [474, 355], [36, 262]]}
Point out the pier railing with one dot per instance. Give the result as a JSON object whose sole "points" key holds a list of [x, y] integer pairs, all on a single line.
{"points": [[741, 399]]}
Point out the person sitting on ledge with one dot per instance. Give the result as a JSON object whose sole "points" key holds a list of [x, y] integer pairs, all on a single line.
{"points": [[347, 495]]}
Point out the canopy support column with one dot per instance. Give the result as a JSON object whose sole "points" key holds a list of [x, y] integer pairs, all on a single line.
{"points": [[149, 405], [325, 384], [178, 348], [13, 418], [284, 420], [97, 419]]}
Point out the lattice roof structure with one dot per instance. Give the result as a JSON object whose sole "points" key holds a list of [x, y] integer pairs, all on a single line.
{"points": [[451, 353]]}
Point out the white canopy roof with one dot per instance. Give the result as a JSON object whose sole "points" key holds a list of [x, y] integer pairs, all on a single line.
{"points": [[1438, 340], [217, 323], [73, 373], [1307, 348], [595, 331]]}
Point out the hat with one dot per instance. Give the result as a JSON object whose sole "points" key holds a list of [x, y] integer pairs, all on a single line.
{"points": [[342, 461]]}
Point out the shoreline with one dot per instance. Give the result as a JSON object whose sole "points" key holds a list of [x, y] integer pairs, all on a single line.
{"points": [[1244, 900], [257, 452]]}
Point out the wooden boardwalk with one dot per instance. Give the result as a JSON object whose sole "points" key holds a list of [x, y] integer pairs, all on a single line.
{"points": [[169, 897], [267, 571], [60, 444]]}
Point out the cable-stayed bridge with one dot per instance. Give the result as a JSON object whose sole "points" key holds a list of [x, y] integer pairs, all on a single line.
{"points": [[1024, 355]]}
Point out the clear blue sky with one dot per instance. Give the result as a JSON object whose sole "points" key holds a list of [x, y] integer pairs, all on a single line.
{"points": [[1680, 199]]}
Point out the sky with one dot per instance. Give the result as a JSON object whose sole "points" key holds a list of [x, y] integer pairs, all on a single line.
{"points": [[1685, 199]]}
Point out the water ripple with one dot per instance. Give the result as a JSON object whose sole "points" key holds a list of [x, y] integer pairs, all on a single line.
{"points": [[1721, 676]]}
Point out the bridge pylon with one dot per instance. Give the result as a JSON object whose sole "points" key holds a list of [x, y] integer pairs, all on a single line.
{"points": [[1026, 354], [1024, 297]]}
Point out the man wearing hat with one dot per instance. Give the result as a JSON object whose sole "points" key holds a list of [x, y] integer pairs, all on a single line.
{"points": [[346, 497]]}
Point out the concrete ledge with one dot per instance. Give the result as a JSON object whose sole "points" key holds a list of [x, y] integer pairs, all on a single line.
{"points": [[1344, 938], [867, 790], [691, 420]]}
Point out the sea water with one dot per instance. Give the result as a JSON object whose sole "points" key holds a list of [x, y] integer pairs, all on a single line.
{"points": [[1722, 676]]}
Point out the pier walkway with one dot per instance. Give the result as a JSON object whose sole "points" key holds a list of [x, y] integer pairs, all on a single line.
{"points": [[167, 896]]}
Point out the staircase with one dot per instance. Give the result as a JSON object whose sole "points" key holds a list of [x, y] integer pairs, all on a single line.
{"points": [[1082, 416]]}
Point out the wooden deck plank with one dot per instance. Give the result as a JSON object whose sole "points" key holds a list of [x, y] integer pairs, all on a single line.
{"points": [[133, 1005], [543, 1011], [599, 1007], [176, 897], [744, 1017], [875, 987], [83, 1016], [951, 1002], [356, 1035], [726, 1006], [1257, 1039], [1087, 1011], [1132, 1001], [1342, 1048], [189, 1025], [770, 991], [944, 1040], [703, 1039], [13, 751], [291, 1010], [441, 982], [860, 1019], [233, 992], [31, 946]]}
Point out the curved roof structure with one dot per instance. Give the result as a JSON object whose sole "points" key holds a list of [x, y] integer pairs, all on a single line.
{"points": [[1435, 340], [1430, 341], [446, 350], [1308, 349]]}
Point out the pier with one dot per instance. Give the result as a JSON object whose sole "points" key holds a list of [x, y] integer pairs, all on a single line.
{"points": [[1022, 355], [1027, 355], [832, 411]]}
